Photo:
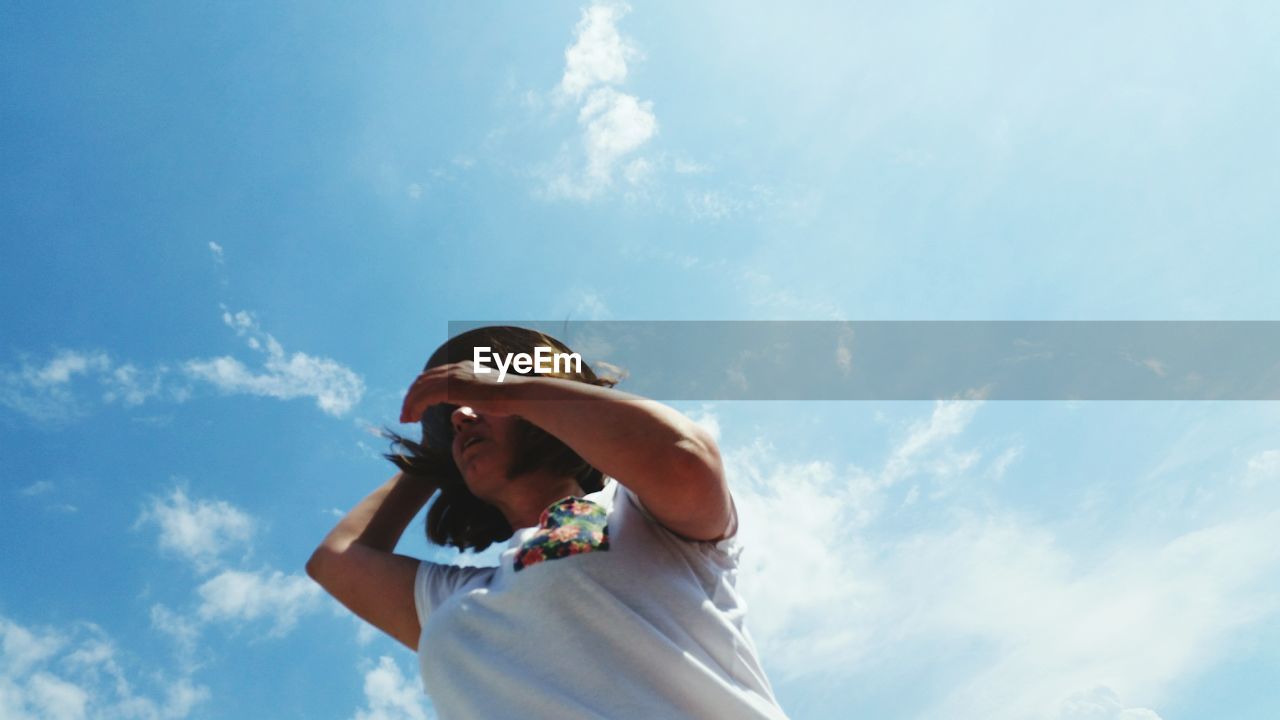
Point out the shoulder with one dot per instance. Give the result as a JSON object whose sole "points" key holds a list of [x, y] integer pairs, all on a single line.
{"points": [[622, 502], [436, 582]]}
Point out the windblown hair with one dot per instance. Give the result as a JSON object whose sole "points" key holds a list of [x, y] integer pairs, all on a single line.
{"points": [[456, 516]]}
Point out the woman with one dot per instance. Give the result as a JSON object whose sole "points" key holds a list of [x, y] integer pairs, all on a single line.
{"points": [[614, 597]]}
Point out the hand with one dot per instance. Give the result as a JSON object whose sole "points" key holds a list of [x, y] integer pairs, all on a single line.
{"points": [[457, 384]]}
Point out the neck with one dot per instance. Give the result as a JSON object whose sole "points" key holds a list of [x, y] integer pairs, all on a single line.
{"points": [[526, 497]]}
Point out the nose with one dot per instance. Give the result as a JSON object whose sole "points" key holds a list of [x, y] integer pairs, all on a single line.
{"points": [[463, 416]]}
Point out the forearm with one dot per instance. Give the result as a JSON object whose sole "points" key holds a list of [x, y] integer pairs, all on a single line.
{"points": [[624, 436], [355, 563], [665, 458], [380, 518]]}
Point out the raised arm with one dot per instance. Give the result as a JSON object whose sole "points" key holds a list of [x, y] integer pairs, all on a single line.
{"points": [[356, 564], [666, 459]]}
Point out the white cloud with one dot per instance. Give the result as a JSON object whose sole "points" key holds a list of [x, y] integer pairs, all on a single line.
{"points": [[132, 385], [44, 487], [390, 695], [201, 531], [590, 305], [781, 300], [66, 364], [1067, 630], [204, 531], [794, 524], [181, 697], [184, 631], [216, 249], [1137, 620], [947, 420], [242, 322], [24, 649], [1263, 468], [599, 54], [74, 673], [614, 124], [1101, 704], [1001, 464], [55, 698], [707, 419], [796, 204], [638, 172], [237, 595], [43, 392], [365, 633], [336, 388], [710, 205]]}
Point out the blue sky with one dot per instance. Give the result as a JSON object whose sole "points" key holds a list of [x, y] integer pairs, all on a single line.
{"points": [[232, 234]]}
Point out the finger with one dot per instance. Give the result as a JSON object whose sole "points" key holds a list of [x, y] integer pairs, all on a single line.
{"points": [[416, 399], [413, 406], [429, 388], [408, 400]]}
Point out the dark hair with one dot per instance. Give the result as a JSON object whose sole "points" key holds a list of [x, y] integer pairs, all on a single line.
{"points": [[457, 517]]}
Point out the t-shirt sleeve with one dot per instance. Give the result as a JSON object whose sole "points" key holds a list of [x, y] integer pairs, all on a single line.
{"points": [[435, 582], [727, 547]]}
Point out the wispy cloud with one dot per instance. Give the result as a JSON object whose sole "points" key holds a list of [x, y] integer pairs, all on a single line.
{"points": [[184, 631], [43, 391], [785, 300], [69, 386], [42, 488], [1134, 622], [336, 388], [947, 420], [1068, 631], [1101, 703], [38, 487], [614, 124], [711, 204], [584, 303], [132, 385], [200, 531], [76, 672], [204, 532]]}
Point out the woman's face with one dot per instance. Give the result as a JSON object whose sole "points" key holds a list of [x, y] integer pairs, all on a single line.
{"points": [[484, 448]]}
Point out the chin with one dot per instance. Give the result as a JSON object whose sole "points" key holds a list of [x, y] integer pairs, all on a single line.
{"points": [[483, 486]]}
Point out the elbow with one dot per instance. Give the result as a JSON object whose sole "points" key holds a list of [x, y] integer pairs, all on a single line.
{"points": [[313, 565], [319, 564]]}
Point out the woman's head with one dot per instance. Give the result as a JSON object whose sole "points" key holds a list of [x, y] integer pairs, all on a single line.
{"points": [[459, 516]]}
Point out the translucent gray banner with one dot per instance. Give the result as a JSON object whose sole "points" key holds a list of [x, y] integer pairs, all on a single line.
{"points": [[927, 360]]}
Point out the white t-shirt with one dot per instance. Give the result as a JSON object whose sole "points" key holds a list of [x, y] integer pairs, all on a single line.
{"points": [[644, 625]]}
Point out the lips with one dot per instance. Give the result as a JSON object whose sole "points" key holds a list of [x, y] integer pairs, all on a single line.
{"points": [[466, 441]]}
